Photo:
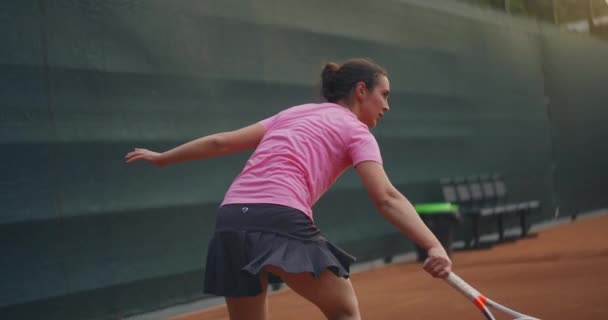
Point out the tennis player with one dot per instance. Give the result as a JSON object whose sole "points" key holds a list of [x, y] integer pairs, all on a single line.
{"points": [[265, 224]]}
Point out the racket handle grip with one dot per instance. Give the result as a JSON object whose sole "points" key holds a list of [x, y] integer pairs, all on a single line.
{"points": [[464, 288]]}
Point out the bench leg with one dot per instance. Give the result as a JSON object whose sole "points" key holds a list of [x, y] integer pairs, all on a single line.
{"points": [[501, 228], [523, 222], [475, 230]]}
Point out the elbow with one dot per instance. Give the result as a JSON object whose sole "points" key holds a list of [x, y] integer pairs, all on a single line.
{"points": [[385, 205], [218, 142], [387, 200]]}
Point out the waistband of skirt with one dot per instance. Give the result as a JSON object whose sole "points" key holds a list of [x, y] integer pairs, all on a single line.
{"points": [[268, 218]]}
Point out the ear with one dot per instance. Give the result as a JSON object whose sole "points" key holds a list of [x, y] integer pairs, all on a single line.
{"points": [[360, 89]]}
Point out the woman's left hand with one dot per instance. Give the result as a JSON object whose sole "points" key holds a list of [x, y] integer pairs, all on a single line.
{"points": [[146, 155]]}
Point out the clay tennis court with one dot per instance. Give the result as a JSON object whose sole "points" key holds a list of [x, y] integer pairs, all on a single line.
{"points": [[560, 274]]}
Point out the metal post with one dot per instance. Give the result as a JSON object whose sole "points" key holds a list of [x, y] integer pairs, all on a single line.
{"points": [[590, 16], [555, 4]]}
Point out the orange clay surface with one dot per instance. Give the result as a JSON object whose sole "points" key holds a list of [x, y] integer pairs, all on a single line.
{"points": [[560, 274]]}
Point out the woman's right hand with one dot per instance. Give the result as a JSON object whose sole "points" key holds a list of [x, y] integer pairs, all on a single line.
{"points": [[152, 157], [438, 263]]}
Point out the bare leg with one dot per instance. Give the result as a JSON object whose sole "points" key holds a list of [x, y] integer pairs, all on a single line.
{"points": [[335, 296], [250, 308]]}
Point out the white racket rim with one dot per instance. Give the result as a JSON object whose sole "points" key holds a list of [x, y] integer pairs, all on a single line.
{"points": [[471, 293]]}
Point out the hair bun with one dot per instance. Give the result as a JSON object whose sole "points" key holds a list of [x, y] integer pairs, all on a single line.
{"points": [[338, 80], [328, 79]]}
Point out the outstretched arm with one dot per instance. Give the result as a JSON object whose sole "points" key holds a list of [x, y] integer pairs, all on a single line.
{"points": [[202, 148], [399, 211]]}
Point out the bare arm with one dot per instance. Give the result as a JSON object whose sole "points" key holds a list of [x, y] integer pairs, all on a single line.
{"points": [[202, 148], [395, 208]]}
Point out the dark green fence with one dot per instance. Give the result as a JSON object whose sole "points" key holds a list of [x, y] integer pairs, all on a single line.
{"points": [[85, 236]]}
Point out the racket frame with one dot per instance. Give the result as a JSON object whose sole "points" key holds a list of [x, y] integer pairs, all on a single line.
{"points": [[481, 301]]}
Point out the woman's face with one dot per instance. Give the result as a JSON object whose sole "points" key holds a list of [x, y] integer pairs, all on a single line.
{"points": [[374, 103]]}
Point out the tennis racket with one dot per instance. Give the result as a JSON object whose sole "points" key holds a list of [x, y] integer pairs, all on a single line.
{"points": [[482, 302]]}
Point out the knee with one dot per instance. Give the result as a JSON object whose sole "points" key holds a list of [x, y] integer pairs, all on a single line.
{"points": [[345, 317], [346, 311]]}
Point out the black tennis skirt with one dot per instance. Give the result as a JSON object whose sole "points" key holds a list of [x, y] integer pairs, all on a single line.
{"points": [[249, 237]]}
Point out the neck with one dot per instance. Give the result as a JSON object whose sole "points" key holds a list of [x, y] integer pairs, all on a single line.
{"points": [[354, 108]]}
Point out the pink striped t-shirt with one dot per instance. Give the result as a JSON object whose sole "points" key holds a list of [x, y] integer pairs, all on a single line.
{"points": [[304, 150]]}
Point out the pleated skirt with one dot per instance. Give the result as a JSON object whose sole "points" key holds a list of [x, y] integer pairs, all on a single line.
{"points": [[249, 237]]}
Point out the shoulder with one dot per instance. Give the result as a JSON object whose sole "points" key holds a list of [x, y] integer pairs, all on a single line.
{"points": [[320, 113], [302, 108]]}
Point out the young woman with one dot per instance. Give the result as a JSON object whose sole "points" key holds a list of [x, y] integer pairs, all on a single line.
{"points": [[265, 223]]}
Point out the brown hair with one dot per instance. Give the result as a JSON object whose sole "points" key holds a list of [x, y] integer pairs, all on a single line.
{"points": [[338, 81]]}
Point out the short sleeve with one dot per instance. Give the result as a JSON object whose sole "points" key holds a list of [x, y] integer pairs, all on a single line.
{"points": [[362, 146]]}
